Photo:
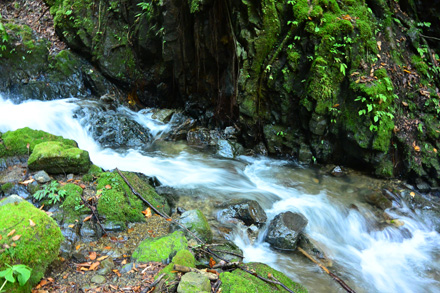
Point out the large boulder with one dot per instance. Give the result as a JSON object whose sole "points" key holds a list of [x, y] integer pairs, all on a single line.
{"points": [[56, 157], [194, 283], [161, 249], [37, 246], [247, 210], [240, 281], [284, 230], [196, 222], [119, 205]]}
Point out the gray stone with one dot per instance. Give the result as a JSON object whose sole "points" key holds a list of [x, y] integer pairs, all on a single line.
{"points": [[196, 222], [194, 282], [229, 149], [14, 198], [285, 229], [106, 266], [318, 124], [163, 115], [98, 279], [247, 210], [42, 177], [305, 154]]}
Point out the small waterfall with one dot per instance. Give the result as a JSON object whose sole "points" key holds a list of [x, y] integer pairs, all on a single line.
{"points": [[371, 257]]}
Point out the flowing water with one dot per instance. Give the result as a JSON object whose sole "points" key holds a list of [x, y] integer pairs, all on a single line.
{"points": [[369, 255]]}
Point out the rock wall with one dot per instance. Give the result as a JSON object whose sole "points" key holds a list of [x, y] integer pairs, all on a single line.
{"points": [[351, 82]]}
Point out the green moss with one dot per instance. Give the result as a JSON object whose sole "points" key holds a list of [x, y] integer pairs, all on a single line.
{"points": [[7, 186], [38, 245], [15, 142], [161, 249], [119, 204], [93, 172], [184, 258], [56, 157], [242, 282], [72, 204]]}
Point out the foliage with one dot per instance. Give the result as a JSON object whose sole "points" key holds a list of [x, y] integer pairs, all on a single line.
{"points": [[3, 36], [51, 192], [20, 272]]}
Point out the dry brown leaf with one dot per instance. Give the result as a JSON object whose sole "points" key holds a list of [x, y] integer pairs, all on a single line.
{"points": [[94, 266], [405, 104], [71, 226], [16, 237], [108, 247], [116, 272], [26, 182], [379, 45], [147, 213], [434, 149], [92, 255], [124, 262], [82, 185], [412, 193], [108, 186], [417, 148], [31, 223], [102, 257], [11, 233], [1, 237], [78, 247], [5, 246], [14, 245], [87, 218]]}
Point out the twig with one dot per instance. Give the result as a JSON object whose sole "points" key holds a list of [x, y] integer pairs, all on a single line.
{"points": [[94, 214], [228, 252], [152, 285], [336, 278], [216, 286]]}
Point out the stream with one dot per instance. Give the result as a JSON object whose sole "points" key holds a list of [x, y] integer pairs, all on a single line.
{"points": [[371, 256]]}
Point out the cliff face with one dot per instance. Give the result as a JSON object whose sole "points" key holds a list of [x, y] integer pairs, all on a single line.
{"points": [[352, 82]]}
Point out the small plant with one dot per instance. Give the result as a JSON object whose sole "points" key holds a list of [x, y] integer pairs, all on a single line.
{"points": [[20, 272], [281, 133], [51, 192]]}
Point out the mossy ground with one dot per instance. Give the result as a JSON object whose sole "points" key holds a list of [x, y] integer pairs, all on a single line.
{"points": [[38, 245], [72, 205]]}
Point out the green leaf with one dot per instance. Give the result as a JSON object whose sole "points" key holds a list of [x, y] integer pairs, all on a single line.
{"points": [[24, 273]]}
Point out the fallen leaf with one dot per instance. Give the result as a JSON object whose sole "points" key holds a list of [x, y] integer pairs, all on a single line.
{"points": [[412, 193], [116, 272], [83, 269], [26, 182], [102, 257], [94, 266], [435, 151], [78, 247], [108, 186], [417, 148], [92, 255], [11, 233], [169, 219], [31, 223], [70, 180], [16, 237], [130, 230], [28, 145], [379, 45], [147, 213], [65, 276], [124, 262], [269, 275], [42, 206], [405, 104], [82, 185], [108, 247], [1, 237], [71, 226], [87, 218], [5, 246], [211, 262]]}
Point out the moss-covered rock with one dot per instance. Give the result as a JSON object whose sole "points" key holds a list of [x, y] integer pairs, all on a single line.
{"points": [[72, 205], [38, 245], [56, 157], [196, 222], [239, 281], [184, 258], [117, 202], [93, 173], [161, 249], [23, 141], [194, 283]]}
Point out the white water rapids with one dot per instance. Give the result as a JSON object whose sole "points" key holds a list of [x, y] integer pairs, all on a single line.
{"points": [[368, 258]]}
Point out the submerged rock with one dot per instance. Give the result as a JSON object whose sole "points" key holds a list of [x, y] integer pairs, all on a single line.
{"points": [[285, 229]]}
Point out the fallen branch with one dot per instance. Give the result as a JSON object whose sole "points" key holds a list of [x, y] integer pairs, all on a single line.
{"points": [[216, 286], [94, 214], [184, 269], [336, 278], [152, 285], [208, 250]]}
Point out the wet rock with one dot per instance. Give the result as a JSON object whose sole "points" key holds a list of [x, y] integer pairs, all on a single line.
{"points": [[88, 232], [98, 279], [247, 210], [21, 190], [127, 267], [318, 124], [181, 131], [161, 249], [378, 200], [14, 198], [196, 222], [56, 157], [70, 238], [422, 186], [223, 250], [337, 172], [284, 230], [163, 115], [230, 132], [41, 177], [106, 266], [313, 248], [110, 226], [199, 137], [229, 149], [305, 154], [194, 282], [260, 149]]}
